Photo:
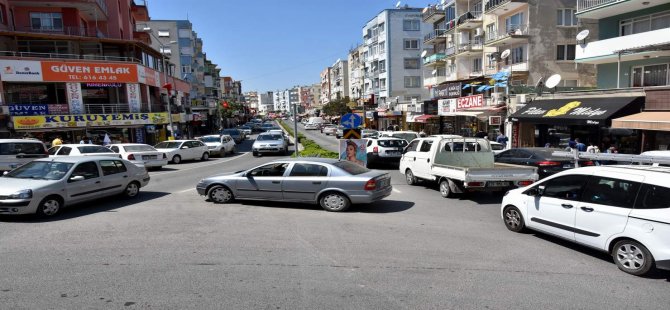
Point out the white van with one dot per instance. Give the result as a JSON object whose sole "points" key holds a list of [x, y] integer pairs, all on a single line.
{"points": [[315, 120], [16, 152]]}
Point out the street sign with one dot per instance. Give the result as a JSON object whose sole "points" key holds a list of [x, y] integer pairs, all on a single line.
{"points": [[351, 120], [349, 133]]}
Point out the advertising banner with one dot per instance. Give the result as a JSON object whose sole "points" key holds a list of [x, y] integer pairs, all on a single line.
{"points": [[74, 98], [354, 150], [58, 71], [446, 106], [20, 71], [28, 109], [87, 120], [474, 101], [450, 90], [57, 109], [133, 91]]}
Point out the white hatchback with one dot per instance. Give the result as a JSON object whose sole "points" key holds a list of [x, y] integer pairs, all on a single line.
{"points": [[622, 210], [178, 150], [140, 154], [80, 150]]}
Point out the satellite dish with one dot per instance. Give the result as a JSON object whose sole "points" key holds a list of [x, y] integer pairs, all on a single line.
{"points": [[424, 10], [443, 1], [582, 35], [397, 5], [434, 71], [423, 54], [553, 80], [505, 54]]}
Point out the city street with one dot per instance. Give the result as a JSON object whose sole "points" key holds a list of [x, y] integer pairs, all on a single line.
{"points": [[171, 249]]}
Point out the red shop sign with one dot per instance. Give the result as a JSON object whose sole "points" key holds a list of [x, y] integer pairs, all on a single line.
{"points": [[475, 101]]}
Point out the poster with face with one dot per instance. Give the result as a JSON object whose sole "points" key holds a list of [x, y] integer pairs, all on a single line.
{"points": [[354, 150]]}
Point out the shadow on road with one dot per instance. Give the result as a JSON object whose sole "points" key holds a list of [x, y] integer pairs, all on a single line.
{"points": [[383, 206], [107, 204]]}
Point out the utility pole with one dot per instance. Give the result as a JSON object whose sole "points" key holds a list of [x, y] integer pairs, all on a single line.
{"points": [[295, 129]]}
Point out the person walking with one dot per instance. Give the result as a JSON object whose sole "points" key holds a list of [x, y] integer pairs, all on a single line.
{"points": [[85, 140], [57, 141], [580, 146]]}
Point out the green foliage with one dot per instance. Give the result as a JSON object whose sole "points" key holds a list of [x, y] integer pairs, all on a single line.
{"points": [[310, 148], [336, 107]]}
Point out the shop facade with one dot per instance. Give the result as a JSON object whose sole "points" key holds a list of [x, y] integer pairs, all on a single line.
{"points": [[653, 123], [469, 115]]}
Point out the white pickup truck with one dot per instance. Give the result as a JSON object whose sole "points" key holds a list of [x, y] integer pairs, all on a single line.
{"points": [[460, 165]]}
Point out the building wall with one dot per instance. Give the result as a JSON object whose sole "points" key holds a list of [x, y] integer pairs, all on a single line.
{"points": [[607, 73], [609, 27], [119, 16]]}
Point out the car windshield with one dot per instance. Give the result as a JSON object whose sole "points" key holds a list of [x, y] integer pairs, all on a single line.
{"points": [[392, 143], [43, 170], [168, 145], [92, 149], [210, 139], [269, 137], [30, 148], [139, 148], [350, 167]]}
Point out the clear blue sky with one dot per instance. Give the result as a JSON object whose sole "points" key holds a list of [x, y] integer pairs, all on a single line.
{"points": [[276, 44]]}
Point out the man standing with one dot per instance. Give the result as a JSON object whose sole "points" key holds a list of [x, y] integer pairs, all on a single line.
{"points": [[502, 139]]}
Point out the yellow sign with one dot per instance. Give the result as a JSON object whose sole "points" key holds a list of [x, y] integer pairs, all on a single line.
{"points": [[563, 110], [88, 120], [352, 134]]}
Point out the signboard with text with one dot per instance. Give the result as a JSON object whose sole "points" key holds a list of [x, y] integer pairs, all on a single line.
{"points": [[449, 90], [87, 120], [474, 101], [446, 106]]}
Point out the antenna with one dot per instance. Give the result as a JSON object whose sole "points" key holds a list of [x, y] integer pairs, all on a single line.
{"points": [[553, 81], [582, 35], [397, 5], [505, 54], [423, 54]]}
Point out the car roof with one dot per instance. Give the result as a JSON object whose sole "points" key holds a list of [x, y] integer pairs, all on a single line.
{"points": [[20, 141], [78, 145], [389, 138], [74, 159], [125, 144]]}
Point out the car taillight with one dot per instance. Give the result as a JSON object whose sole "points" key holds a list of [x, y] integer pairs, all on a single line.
{"points": [[587, 163], [164, 156], [524, 183], [548, 163], [475, 184], [375, 150], [131, 157], [370, 185]]}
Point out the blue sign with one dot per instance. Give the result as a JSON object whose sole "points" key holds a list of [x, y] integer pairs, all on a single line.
{"points": [[351, 120], [28, 109]]}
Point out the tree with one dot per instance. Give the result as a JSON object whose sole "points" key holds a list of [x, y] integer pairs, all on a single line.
{"points": [[336, 107]]}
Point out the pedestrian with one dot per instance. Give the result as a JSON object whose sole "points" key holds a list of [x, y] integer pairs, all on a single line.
{"points": [[85, 140], [502, 139], [592, 148], [57, 141], [572, 143], [422, 133], [481, 134], [580, 146]]}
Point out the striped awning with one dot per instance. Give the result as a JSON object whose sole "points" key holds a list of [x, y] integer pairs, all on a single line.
{"points": [[644, 121]]}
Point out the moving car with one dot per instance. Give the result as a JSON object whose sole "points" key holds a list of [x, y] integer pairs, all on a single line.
{"points": [[81, 150], [333, 184], [246, 130], [385, 150], [140, 154], [539, 157], [179, 150], [237, 134], [621, 210], [219, 144], [311, 126], [369, 133], [406, 135], [16, 152], [270, 143], [45, 186], [329, 129]]}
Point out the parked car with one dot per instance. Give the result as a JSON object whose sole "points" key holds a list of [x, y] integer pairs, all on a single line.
{"points": [[369, 133], [539, 157], [270, 143], [312, 126], [496, 147], [237, 134], [44, 186], [269, 126], [246, 130], [406, 135], [333, 184], [329, 130], [219, 144], [339, 133], [16, 152], [180, 150], [140, 154], [621, 210], [81, 150], [385, 150]]}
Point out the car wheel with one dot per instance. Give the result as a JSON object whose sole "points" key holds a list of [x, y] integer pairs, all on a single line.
{"points": [[205, 156], [513, 219], [49, 206], [410, 178], [445, 190], [220, 194], [176, 159], [132, 190], [222, 153], [233, 150], [255, 154], [632, 257], [334, 202]]}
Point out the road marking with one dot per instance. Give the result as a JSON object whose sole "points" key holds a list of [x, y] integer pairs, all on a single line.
{"points": [[396, 191], [186, 190], [197, 167]]}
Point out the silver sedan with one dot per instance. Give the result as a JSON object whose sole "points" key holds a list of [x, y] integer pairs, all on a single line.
{"points": [[333, 184]]}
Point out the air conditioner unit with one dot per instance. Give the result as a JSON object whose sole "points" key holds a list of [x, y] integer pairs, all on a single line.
{"points": [[478, 32], [418, 107]]}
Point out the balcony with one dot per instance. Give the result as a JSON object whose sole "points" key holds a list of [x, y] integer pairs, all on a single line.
{"points": [[450, 25], [514, 34], [597, 9], [471, 48], [434, 59], [470, 20], [432, 14], [90, 9], [498, 7], [632, 47], [63, 31], [435, 80], [435, 37]]}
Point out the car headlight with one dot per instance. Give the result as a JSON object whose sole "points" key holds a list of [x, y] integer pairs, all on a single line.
{"points": [[22, 194]]}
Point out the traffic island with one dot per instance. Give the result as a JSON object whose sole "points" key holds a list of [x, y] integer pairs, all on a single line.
{"points": [[307, 147]]}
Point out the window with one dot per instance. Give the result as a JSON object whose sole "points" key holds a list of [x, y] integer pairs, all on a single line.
{"points": [[517, 55], [411, 25], [425, 146], [27, 148], [381, 28], [163, 33], [653, 197], [412, 146], [567, 187], [644, 23], [410, 97], [412, 81], [185, 69], [412, 63], [566, 17], [611, 192], [64, 150], [382, 66], [112, 167], [3, 14], [382, 47], [490, 32], [184, 33], [271, 170], [46, 21], [308, 170], [411, 44], [514, 23], [565, 52], [88, 170], [477, 65], [382, 84], [654, 75], [186, 51]]}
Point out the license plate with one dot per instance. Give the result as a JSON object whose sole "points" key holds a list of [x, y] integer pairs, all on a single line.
{"points": [[567, 166], [146, 157], [392, 153], [498, 184]]}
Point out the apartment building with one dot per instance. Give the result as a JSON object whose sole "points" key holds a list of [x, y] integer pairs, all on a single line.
{"points": [[75, 68], [252, 100], [325, 86], [356, 73], [266, 103], [315, 95], [339, 80], [281, 101]]}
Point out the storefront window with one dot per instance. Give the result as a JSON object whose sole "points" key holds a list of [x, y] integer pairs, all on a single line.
{"points": [[104, 98], [26, 93]]}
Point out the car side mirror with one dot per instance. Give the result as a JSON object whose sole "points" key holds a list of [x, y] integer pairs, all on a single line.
{"points": [[535, 191], [77, 178]]}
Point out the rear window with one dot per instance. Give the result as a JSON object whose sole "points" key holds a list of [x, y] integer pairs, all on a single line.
{"points": [[350, 167], [15, 148], [139, 148], [168, 145], [93, 149], [406, 136], [392, 143], [231, 132]]}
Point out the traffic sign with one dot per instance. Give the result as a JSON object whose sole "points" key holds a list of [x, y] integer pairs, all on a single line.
{"points": [[349, 133], [351, 120]]}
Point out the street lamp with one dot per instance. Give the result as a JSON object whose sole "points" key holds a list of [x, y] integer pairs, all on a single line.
{"points": [[165, 75]]}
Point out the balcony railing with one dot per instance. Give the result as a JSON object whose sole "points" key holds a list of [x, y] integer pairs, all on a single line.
{"points": [[67, 56], [470, 16], [492, 4], [68, 31], [450, 25], [434, 58], [432, 10], [450, 50], [583, 5], [436, 33], [510, 31], [476, 44]]}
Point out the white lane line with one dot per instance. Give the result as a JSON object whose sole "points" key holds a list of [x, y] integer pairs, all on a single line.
{"points": [[186, 190], [396, 191], [200, 166]]}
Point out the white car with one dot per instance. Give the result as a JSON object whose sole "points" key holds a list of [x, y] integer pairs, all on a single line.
{"points": [[140, 154], [312, 126], [496, 147], [385, 150], [80, 150], [407, 135], [16, 152], [179, 150], [621, 210], [219, 144]]}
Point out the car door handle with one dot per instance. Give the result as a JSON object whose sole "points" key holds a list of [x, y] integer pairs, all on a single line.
{"points": [[316, 183], [125, 176], [97, 182], [428, 160], [567, 206], [276, 182], [587, 209]]}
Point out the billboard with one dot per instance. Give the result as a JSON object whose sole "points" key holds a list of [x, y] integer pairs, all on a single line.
{"points": [[354, 150], [87, 120]]}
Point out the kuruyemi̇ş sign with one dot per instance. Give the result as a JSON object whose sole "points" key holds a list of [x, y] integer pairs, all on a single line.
{"points": [[88, 120]]}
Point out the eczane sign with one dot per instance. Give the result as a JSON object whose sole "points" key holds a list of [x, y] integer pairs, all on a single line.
{"points": [[475, 101]]}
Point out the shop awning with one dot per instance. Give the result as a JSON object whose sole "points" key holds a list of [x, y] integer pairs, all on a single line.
{"points": [[462, 113], [578, 111], [644, 121], [422, 118]]}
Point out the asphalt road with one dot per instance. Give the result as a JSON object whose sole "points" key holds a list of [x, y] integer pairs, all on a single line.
{"points": [[170, 249]]}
